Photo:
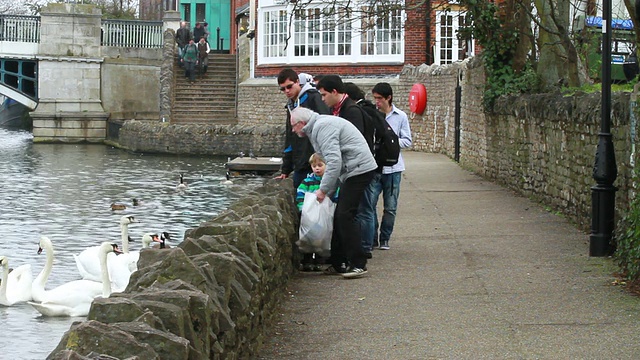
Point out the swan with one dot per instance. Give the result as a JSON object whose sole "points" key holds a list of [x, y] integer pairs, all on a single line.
{"points": [[88, 263], [130, 259], [182, 185], [15, 286], [73, 298]]}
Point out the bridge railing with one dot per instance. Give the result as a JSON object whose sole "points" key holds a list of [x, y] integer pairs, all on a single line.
{"points": [[20, 28], [132, 33]]}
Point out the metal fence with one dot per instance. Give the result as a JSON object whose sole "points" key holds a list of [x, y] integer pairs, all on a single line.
{"points": [[132, 33], [20, 28]]}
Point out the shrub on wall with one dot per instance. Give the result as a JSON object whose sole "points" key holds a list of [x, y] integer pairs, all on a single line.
{"points": [[627, 239]]}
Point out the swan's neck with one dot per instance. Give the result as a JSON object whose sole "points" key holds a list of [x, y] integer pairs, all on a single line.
{"points": [[125, 238], [106, 282], [42, 278], [5, 277]]}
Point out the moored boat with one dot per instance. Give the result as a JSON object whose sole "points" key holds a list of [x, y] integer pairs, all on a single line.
{"points": [[14, 115]]}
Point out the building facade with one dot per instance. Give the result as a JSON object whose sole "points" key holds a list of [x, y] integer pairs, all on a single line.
{"points": [[323, 37]]}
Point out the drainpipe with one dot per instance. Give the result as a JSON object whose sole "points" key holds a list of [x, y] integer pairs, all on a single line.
{"points": [[251, 35]]}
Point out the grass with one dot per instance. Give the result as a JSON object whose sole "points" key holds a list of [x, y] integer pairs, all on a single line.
{"points": [[592, 88]]}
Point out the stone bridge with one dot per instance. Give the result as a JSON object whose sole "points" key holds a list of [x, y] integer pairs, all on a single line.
{"points": [[76, 71]]}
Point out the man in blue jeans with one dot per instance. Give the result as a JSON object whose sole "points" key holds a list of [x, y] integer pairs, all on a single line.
{"points": [[387, 182]]}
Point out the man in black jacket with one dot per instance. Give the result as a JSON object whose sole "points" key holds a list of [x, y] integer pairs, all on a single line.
{"points": [[183, 35], [198, 32], [334, 95], [297, 150]]}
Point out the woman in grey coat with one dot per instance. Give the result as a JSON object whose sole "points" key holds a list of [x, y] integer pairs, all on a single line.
{"points": [[350, 163]]}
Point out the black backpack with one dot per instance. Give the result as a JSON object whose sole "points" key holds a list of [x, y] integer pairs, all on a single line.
{"points": [[386, 145]]}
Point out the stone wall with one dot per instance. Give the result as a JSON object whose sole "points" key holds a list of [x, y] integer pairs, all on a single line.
{"points": [[541, 146], [130, 88], [211, 297], [201, 139]]}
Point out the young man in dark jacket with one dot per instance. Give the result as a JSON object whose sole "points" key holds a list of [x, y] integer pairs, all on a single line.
{"points": [[183, 35], [334, 95], [297, 150], [198, 32]]}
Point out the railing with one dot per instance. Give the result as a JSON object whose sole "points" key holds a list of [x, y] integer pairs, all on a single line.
{"points": [[132, 33], [20, 28]]}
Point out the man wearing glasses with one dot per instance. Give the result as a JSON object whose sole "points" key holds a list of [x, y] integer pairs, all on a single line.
{"points": [[297, 150]]}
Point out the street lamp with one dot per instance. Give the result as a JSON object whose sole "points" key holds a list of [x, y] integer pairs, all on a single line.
{"points": [[603, 194]]}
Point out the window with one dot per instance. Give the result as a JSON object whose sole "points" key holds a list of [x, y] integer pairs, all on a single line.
{"points": [[448, 47], [275, 33], [319, 35]]}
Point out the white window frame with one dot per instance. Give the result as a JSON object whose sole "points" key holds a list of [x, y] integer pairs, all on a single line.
{"points": [[446, 38], [320, 40]]}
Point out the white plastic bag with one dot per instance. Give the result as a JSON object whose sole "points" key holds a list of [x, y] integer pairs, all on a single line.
{"points": [[316, 225]]}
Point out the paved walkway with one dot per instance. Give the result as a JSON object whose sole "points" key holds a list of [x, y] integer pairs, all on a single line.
{"points": [[474, 272]]}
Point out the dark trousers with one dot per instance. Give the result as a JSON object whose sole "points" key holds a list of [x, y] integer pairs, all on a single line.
{"points": [[346, 241], [190, 70]]}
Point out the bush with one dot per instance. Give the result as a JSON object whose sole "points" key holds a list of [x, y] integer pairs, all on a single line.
{"points": [[627, 239]]}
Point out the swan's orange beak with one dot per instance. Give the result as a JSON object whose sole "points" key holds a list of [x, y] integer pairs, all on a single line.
{"points": [[156, 238]]}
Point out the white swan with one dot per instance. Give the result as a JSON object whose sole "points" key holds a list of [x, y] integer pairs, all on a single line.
{"points": [[73, 298], [15, 286], [88, 263], [130, 259]]}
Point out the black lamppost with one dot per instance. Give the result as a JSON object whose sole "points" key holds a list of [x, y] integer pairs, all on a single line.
{"points": [[603, 194]]}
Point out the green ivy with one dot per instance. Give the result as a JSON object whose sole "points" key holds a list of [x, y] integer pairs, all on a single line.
{"points": [[498, 47], [627, 238]]}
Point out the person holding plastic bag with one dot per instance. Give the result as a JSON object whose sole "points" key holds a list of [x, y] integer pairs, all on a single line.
{"points": [[348, 161], [316, 222]]}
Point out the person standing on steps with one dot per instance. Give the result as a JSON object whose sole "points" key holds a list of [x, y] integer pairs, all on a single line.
{"points": [[198, 32], [298, 150], [203, 55], [190, 60], [183, 35]]}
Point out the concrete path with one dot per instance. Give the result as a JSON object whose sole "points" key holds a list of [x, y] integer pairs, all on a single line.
{"points": [[474, 272]]}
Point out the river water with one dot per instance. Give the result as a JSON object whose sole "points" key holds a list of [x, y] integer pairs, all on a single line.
{"points": [[64, 191]]}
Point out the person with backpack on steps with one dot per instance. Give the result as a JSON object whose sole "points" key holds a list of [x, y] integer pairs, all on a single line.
{"points": [[190, 60]]}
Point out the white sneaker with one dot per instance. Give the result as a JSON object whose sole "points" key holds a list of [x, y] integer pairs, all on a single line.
{"points": [[353, 273]]}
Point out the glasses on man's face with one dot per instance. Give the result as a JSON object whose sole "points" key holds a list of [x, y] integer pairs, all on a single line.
{"points": [[288, 87]]}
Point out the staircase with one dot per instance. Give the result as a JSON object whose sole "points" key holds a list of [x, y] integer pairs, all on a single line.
{"points": [[211, 98]]}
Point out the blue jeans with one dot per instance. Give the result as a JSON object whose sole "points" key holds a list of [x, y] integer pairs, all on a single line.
{"points": [[389, 186]]}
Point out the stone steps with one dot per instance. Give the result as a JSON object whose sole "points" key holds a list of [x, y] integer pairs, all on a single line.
{"points": [[211, 98]]}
